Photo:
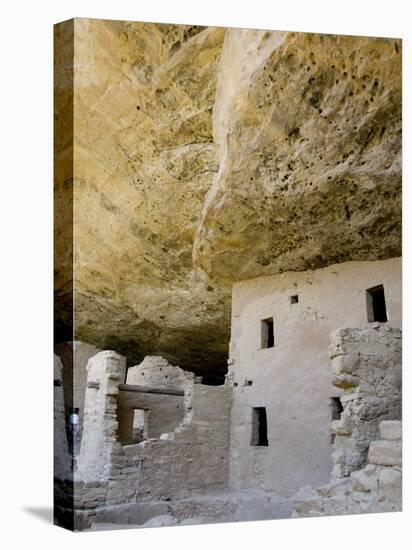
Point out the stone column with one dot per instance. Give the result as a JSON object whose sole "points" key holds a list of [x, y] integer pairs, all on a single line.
{"points": [[105, 371], [367, 366]]}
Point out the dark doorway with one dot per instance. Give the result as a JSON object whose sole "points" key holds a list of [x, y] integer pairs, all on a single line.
{"points": [[267, 333], [376, 305], [259, 427]]}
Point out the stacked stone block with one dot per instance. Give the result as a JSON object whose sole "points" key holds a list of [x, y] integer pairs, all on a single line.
{"points": [[375, 488], [367, 366], [193, 456], [106, 371]]}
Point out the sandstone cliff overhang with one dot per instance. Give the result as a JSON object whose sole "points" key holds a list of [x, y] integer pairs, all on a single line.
{"points": [[204, 156]]}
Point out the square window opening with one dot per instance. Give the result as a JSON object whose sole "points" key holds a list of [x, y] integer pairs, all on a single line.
{"points": [[259, 427], [267, 333], [376, 305], [294, 299]]}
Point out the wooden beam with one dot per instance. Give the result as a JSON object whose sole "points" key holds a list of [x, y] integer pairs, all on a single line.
{"points": [[150, 389]]}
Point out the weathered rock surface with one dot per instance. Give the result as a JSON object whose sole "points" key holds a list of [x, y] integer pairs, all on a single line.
{"points": [[391, 429], [367, 366], [375, 488], [385, 453], [204, 156], [144, 161], [307, 130]]}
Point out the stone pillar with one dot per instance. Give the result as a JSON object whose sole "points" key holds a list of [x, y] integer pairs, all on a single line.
{"points": [[367, 366], [105, 371], [375, 488], [62, 459], [74, 356]]}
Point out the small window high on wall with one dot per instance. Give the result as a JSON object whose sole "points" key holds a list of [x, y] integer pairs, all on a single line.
{"points": [[267, 333], [259, 427], [376, 305]]}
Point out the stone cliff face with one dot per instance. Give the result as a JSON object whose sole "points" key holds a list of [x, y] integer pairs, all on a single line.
{"points": [[203, 156], [307, 130]]}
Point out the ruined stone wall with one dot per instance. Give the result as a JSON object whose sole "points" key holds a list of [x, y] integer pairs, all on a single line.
{"points": [[164, 412], [367, 366], [157, 371], [106, 371], [74, 356], [293, 379], [375, 488], [195, 455]]}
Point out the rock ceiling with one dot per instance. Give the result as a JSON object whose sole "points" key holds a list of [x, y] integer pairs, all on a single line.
{"points": [[203, 156]]}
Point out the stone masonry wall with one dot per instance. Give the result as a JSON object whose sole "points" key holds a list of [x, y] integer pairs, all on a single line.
{"points": [[366, 365], [193, 456], [155, 370], [106, 371], [375, 488], [163, 412]]}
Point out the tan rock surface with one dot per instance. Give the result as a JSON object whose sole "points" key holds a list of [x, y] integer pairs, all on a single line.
{"points": [[204, 156], [308, 134]]}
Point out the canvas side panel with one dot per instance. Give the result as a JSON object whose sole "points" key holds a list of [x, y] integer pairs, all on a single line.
{"points": [[63, 266]]}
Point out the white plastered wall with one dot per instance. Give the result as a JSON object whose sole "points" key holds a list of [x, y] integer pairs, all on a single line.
{"points": [[293, 379]]}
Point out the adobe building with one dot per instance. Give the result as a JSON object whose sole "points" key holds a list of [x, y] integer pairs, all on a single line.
{"points": [[283, 400]]}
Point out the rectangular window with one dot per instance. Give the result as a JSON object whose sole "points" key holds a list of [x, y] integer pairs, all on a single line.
{"points": [[267, 334], [132, 426], [376, 305], [294, 299], [259, 427], [336, 408], [139, 424]]}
